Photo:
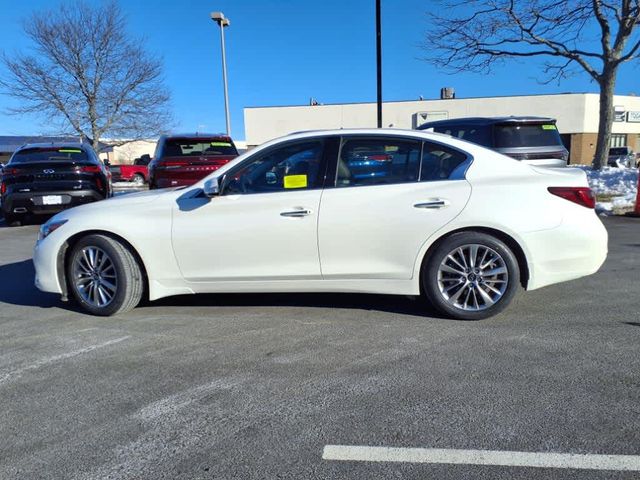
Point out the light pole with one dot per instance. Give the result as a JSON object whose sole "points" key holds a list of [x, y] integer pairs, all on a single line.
{"points": [[222, 22], [379, 62]]}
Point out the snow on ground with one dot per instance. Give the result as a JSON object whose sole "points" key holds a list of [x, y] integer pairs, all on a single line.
{"points": [[615, 188]]}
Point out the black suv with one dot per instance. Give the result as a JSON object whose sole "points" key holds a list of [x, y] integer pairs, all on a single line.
{"points": [[534, 140], [45, 178]]}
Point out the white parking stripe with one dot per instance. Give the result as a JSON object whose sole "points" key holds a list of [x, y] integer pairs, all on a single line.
{"points": [[630, 463]]}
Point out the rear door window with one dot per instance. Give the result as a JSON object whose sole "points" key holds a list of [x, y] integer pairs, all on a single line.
{"points": [[439, 161], [378, 161], [526, 135]]}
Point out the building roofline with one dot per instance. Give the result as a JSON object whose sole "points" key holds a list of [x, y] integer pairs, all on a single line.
{"points": [[433, 100]]}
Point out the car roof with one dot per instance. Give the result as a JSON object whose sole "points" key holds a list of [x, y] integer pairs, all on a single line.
{"points": [[196, 135], [366, 131], [483, 121]]}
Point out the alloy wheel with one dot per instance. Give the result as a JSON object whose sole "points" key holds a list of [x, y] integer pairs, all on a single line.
{"points": [[473, 277], [94, 276]]}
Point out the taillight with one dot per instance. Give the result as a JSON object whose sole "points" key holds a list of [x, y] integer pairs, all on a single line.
{"points": [[11, 171], [580, 195], [3, 188], [174, 163], [90, 169]]}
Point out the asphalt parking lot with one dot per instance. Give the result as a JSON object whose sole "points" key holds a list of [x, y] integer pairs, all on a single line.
{"points": [[255, 386]]}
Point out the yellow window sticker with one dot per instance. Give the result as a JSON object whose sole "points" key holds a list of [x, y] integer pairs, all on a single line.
{"points": [[391, 148], [295, 181], [220, 144], [548, 127], [69, 151]]}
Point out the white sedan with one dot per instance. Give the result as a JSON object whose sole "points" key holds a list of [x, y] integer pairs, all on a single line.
{"points": [[368, 210]]}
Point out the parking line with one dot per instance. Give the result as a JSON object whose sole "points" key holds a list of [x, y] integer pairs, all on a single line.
{"points": [[354, 453]]}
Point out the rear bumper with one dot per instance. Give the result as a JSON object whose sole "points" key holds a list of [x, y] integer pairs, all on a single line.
{"points": [[576, 248], [32, 202]]}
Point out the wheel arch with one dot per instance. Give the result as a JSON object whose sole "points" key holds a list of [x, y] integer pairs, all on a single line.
{"points": [[511, 242], [65, 249]]}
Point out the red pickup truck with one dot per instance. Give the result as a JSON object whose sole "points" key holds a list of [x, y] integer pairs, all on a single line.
{"points": [[138, 173]]}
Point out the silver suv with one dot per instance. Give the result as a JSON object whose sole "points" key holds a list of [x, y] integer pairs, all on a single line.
{"points": [[534, 140]]}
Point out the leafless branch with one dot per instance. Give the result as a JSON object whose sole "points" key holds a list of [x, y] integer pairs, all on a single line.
{"points": [[86, 74]]}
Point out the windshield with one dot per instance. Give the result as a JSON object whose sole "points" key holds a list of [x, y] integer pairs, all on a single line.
{"points": [[526, 135], [190, 147], [54, 154]]}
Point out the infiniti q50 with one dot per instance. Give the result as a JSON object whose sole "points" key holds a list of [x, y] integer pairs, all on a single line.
{"points": [[462, 225]]}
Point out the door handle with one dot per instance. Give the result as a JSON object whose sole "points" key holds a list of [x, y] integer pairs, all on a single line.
{"points": [[433, 204], [296, 213]]}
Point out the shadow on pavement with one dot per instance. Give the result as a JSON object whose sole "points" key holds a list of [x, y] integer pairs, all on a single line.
{"points": [[405, 305], [17, 288]]}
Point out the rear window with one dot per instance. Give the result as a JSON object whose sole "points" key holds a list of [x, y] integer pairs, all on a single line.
{"points": [[190, 147], [36, 155], [528, 135]]}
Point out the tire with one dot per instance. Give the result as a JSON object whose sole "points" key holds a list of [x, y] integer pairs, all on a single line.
{"points": [[138, 179], [13, 220], [470, 292], [100, 287]]}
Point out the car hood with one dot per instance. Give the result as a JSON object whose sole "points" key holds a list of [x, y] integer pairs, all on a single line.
{"points": [[118, 204]]}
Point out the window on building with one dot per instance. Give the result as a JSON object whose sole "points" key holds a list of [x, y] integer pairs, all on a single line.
{"points": [[618, 140]]}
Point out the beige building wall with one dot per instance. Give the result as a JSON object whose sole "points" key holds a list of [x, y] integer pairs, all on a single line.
{"points": [[583, 148], [265, 123], [127, 153], [576, 113]]}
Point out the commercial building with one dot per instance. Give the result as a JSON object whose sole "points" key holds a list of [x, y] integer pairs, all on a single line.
{"points": [[577, 115]]}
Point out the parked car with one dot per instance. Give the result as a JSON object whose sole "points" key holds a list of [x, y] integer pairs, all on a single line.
{"points": [[45, 178], [622, 157], [533, 140], [454, 221], [136, 174], [184, 159]]}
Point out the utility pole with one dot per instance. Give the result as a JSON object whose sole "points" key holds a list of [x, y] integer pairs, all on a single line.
{"points": [[379, 61]]}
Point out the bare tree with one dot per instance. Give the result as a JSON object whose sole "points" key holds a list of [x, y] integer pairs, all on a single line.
{"points": [[592, 36], [87, 76]]}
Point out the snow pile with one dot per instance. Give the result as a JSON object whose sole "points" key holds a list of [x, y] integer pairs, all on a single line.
{"points": [[615, 188]]}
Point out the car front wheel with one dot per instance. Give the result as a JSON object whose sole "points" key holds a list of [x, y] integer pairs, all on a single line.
{"points": [[104, 276], [471, 276]]}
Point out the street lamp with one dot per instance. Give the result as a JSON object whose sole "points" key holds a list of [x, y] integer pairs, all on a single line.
{"points": [[222, 22]]}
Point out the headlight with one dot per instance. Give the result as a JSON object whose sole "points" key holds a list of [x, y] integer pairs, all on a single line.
{"points": [[50, 227]]}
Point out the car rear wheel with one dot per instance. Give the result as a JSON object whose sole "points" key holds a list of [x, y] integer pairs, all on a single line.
{"points": [[138, 179], [104, 276], [471, 276]]}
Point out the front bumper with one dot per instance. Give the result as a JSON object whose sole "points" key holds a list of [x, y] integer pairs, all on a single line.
{"points": [[46, 260], [32, 202]]}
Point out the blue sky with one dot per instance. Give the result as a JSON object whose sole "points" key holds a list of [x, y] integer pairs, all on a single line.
{"points": [[281, 52]]}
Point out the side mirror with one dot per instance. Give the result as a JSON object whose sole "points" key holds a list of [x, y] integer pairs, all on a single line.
{"points": [[212, 187]]}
